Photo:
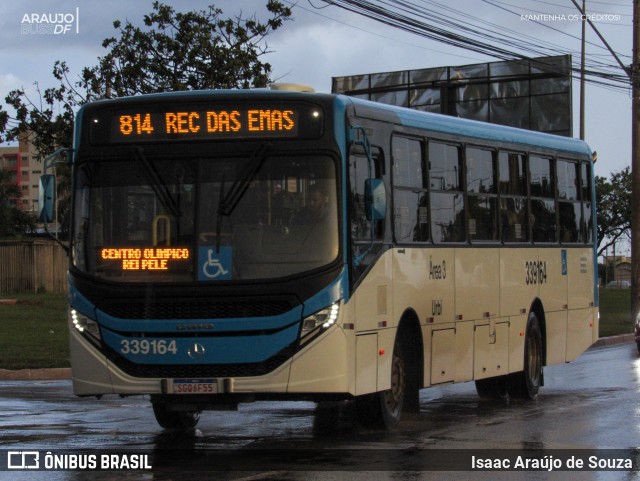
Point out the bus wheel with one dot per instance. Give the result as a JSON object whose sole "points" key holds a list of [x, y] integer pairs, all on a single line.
{"points": [[526, 384], [382, 410], [179, 420]]}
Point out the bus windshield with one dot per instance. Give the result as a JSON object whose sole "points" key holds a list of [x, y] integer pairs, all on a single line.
{"points": [[167, 219]]}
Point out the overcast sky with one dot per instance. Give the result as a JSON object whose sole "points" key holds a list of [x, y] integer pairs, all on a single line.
{"points": [[321, 43]]}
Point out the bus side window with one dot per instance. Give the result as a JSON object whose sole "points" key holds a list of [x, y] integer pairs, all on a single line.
{"points": [[585, 195], [514, 216], [447, 199], [482, 195], [543, 202], [361, 246], [569, 205], [410, 211]]}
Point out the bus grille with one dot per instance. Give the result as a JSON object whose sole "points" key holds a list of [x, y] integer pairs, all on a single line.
{"points": [[196, 309], [170, 371]]}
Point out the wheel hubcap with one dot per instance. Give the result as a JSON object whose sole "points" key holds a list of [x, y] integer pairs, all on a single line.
{"points": [[395, 395]]}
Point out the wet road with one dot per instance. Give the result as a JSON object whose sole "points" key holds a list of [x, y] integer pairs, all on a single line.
{"points": [[593, 402]]}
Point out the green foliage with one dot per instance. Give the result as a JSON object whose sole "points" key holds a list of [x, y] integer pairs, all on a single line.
{"points": [[13, 221], [184, 51], [613, 205], [172, 51]]}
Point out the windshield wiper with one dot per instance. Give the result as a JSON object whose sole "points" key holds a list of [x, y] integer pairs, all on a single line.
{"points": [[230, 199], [159, 187]]}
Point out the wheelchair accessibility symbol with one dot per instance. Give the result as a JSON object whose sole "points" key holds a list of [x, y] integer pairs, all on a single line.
{"points": [[215, 265]]}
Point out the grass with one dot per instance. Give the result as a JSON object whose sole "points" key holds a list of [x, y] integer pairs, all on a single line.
{"points": [[615, 312], [33, 332]]}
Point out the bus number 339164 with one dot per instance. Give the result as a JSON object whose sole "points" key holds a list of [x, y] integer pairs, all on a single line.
{"points": [[535, 272], [148, 346]]}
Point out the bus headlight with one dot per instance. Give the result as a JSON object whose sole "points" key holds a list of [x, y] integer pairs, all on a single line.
{"points": [[320, 320], [85, 325]]}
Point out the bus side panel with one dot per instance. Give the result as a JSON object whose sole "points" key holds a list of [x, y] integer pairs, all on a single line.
{"points": [[411, 287], [580, 274], [323, 366], [373, 298], [517, 329], [477, 280], [373, 313], [477, 299], [425, 282], [556, 323], [582, 323], [516, 295], [443, 355], [366, 364], [464, 351], [491, 349], [551, 275], [579, 332]]}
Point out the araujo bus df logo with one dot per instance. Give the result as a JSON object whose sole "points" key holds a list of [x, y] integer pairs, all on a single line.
{"points": [[58, 23]]}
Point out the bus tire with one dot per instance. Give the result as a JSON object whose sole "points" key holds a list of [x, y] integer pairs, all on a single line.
{"points": [[176, 420], [526, 384], [382, 410]]}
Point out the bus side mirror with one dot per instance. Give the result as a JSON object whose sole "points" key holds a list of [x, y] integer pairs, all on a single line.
{"points": [[46, 194], [375, 196]]}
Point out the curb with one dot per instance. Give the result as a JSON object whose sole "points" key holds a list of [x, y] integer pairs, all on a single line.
{"points": [[35, 374], [65, 372], [610, 341]]}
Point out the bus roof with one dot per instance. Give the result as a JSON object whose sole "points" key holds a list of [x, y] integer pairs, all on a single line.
{"points": [[456, 126], [197, 95]]}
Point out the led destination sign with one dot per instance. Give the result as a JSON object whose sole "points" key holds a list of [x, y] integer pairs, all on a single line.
{"points": [[142, 125], [149, 259]]}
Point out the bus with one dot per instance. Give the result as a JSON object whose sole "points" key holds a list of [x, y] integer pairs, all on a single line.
{"points": [[233, 246]]}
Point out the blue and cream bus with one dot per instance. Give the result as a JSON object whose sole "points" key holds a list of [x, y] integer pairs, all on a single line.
{"points": [[232, 246]]}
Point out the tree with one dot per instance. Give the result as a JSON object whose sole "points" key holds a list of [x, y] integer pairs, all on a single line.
{"points": [[613, 205], [13, 221], [174, 51], [184, 51]]}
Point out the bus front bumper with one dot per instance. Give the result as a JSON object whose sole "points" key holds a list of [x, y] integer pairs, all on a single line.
{"points": [[321, 367]]}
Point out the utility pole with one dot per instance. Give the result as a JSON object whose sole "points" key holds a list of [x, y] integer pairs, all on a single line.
{"points": [[582, 72], [635, 165]]}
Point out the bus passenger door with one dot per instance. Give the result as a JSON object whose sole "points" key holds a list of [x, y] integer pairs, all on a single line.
{"points": [[370, 274], [367, 234]]}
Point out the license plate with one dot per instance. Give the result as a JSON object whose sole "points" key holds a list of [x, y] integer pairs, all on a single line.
{"points": [[193, 386]]}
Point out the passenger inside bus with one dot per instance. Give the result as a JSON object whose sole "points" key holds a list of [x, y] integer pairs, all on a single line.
{"points": [[316, 210]]}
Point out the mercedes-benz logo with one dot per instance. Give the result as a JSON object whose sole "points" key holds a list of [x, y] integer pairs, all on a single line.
{"points": [[196, 351]]}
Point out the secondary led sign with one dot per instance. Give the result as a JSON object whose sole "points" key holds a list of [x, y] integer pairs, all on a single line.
{"points": [[148, 126], [149, 259]]}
